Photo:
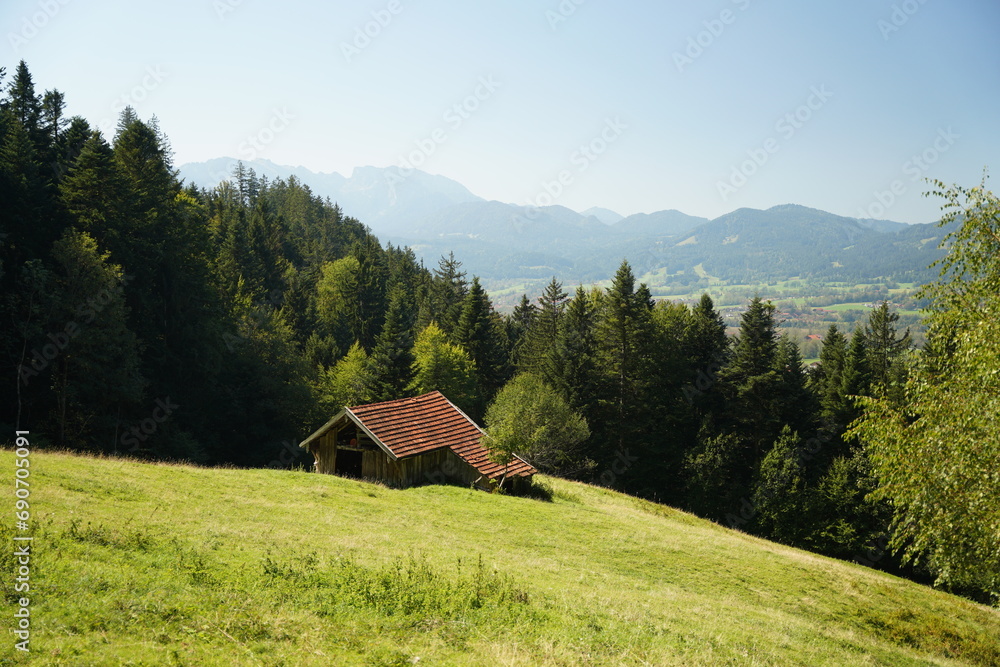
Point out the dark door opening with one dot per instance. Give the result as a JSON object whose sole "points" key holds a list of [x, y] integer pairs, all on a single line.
{"points": [[348, 463]]}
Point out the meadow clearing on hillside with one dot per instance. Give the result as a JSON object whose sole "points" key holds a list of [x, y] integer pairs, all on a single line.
{"points": [[147, 564]]}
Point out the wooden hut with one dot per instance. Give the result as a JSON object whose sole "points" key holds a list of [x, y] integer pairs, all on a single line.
{"points": [[410, 441]]}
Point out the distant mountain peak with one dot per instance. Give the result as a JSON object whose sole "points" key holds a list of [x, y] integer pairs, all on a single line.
{"points": [[605, 215]]}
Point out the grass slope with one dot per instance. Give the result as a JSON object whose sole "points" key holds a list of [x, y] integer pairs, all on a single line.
{"points": [[145, 564]]}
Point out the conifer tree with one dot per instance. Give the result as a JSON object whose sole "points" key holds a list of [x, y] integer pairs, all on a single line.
{"points": [[580, 375], [94, 192], [97, 372], [752, 382], [392, 358], [370, 303], [480, 333], [540, 352], [884, 349], [448, 291], [624, 336], [518, 324]]}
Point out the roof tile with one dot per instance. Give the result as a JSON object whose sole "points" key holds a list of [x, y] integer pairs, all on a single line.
{"points": [[412, 426]]}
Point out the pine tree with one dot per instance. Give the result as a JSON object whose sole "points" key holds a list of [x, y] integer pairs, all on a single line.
{"points": [[580, 375], [480, 333], [796, 404], [885, 351], [392, 358], [518, 324], [752, 382], [97, 373], [539, 351], [448, 291], [24, 103], [706, 337], [370, 304], [624, 335], [857, 374], [94, 192]]}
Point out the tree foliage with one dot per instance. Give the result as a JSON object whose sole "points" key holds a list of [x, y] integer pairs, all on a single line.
{"points": [[440, 365], [530, 419], [937, 455]]}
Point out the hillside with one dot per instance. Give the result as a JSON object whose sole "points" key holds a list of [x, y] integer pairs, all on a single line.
{"points": [[169, 564]]}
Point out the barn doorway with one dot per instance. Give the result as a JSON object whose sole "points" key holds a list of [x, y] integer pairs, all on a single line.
{"points": [[349, 463]]}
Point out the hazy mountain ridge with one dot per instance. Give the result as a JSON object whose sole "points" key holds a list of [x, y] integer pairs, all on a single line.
{"points": [[436, 215]]}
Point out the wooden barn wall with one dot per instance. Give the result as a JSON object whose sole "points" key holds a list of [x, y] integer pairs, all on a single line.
{"points": [[324, 450], [438, 467]]}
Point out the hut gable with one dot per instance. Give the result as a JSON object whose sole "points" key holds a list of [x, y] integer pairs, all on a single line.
{"points": [[408, 441]]}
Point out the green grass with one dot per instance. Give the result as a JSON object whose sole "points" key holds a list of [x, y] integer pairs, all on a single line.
{"points": [[140, 564]]}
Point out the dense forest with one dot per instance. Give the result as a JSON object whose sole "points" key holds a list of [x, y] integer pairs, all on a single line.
{"points": [[147, 318]]}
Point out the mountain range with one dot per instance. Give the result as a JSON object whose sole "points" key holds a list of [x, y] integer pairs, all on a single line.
{"points": [[509, 244]]}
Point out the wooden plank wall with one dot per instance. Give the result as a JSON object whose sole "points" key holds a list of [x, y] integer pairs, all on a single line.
{"points": [[324, 450], [441, 466]]}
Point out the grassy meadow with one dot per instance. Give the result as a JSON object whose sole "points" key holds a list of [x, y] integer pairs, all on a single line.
{"points": [[142, 564]]}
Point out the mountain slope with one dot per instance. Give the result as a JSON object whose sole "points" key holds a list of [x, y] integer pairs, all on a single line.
{"points": [[386, 200], [506, 244], [661, 223], [170, 564], [605, 215]]}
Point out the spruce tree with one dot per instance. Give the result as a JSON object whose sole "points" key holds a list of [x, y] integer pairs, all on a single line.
{"points": [[371, 279], [624, 338], [448, 291], [539, 350], [885, 350], [94, 193], [480, 333], [392, 358], [518, 324]]}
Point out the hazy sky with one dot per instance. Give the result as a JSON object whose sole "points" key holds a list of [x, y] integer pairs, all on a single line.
{"points": [[637, 106]]}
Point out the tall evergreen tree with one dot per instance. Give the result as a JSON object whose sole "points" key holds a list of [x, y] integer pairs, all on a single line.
{"points": [[885, 350], [392, 358], [539, 352], [371, 290], [480, 333], [24, 103], [624, 335], [94, 192], [97, 372], [518, 324], [752, 382], [447, 294], [580, 374]]}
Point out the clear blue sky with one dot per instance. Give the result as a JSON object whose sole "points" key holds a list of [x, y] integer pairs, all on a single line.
{"points": [[923, 81]]}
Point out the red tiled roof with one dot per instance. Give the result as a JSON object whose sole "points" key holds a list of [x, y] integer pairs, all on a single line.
{"points": [[412, 426]]}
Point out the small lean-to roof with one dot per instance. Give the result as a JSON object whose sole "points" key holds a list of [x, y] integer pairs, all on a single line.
{"points": [[411, 426]]}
